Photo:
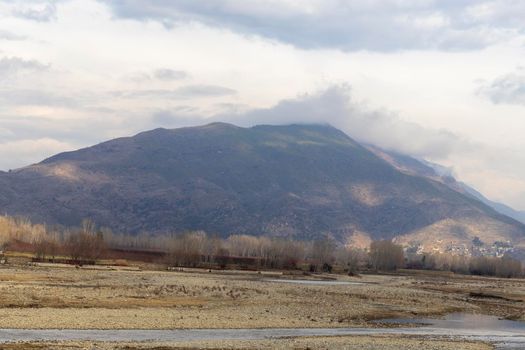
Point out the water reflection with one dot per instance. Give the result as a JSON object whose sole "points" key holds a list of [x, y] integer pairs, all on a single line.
{"points": [[315, 282], [462, 321]]}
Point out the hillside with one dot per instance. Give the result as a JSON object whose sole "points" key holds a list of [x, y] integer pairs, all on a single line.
{"points": [[298, 181], [436, 172], [501, 208], [451, 230]]}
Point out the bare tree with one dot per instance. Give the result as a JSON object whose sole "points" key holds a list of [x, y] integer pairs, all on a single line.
{"points": [[350, 258], [46, 248], [386, 256], [243, 245], [508, 267], [187, 249], [293, 254], [322, 254], [85, 244]]}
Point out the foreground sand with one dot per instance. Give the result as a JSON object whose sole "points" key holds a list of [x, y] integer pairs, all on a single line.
{"points": [[51, 297], [41, 297], [347, 343]]}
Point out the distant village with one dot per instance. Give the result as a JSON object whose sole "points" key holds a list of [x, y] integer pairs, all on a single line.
{"points": [[474, 248]]}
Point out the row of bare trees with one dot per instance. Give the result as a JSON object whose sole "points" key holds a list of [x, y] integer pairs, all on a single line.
{"points": [[85, 244], [19, 229], [481, 265], [89, 243], [82, 244], [198, 249]]}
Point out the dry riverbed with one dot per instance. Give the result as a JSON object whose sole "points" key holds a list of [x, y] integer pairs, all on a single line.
{"points": [[335, 343], [59, 297]]}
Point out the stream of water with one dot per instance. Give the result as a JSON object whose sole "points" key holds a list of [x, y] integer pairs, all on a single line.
{"points": [[503, 333], [314, 282]]}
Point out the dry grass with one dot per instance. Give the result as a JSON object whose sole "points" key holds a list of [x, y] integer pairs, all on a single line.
{"points": [[23, 277]]}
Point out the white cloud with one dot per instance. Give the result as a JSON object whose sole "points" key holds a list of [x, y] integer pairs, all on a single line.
{"points": [[183, 92], [160, 74], [35, 98], [167, 74], [348, 25], [40, 11], [336, 106], [7, 35], [509, 88], [12, 66], [30, 151]]}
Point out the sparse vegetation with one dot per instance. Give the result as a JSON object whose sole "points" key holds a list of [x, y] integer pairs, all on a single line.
{"points": [[88, 244]]}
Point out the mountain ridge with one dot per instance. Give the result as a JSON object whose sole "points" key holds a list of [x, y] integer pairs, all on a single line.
{"points": [[301, 180]]}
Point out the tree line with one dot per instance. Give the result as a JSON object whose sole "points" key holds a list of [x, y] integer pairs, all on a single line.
{"points": [[87, 244]]}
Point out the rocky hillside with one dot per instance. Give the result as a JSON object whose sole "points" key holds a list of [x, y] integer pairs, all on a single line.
{"points": [[299, 181]]}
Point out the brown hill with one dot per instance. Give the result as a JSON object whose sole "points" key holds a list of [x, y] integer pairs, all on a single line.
{"points": [[301, 181]]}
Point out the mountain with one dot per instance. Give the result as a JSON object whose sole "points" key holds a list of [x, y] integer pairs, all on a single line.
{"points": [[300, 181]]}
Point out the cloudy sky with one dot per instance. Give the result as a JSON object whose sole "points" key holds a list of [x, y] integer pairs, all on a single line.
{"points": [[440, 80]]}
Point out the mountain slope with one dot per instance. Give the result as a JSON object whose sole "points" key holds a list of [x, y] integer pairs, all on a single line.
{"points": [[455, 235], [499, 207], [298, 180], [436, 172]]}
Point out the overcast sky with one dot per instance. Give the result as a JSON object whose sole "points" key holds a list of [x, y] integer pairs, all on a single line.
{"points": [[440, 80]]}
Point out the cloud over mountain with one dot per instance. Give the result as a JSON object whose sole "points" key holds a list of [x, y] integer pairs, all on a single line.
{"points": [[83, 71], [336, 106]]}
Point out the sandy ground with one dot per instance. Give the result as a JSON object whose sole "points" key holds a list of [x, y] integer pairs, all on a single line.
{"points": [[46, 297], [59, 297], [336, 343]]}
